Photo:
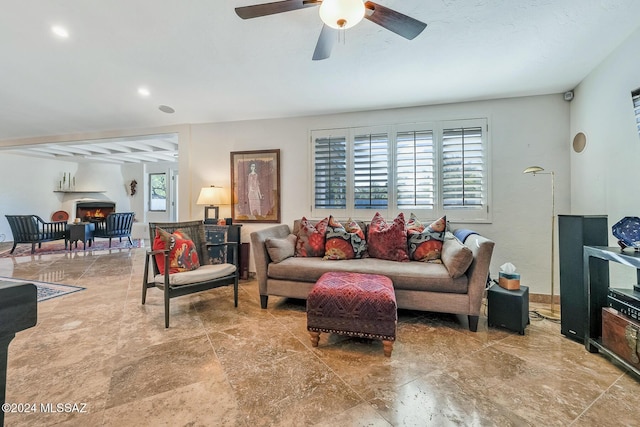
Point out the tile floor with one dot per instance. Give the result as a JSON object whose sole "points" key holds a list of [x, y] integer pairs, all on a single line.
{"points": [[221, 366]]}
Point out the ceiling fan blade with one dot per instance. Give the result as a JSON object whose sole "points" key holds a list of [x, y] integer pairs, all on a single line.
{"points": [[403, 25], [325, 43], [257, 10]]}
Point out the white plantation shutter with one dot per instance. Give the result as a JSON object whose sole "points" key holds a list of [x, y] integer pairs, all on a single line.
{"points": [[371, 171], [427, 168], [635, 96], [463, 168], [415, 170], [330, 172]]}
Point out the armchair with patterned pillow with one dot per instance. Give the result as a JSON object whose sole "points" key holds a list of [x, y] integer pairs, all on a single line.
{"points": [[179, 263]]}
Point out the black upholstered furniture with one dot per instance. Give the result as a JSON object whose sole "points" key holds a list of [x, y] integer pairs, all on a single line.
{"points": [[207, 276], [116, 224], [33, 229]]}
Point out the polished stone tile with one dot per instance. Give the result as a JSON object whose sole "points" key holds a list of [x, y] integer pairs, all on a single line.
{"points": [[161, 368], [363, 415], [207, 403], [438, 399], [245, 366], [294, 390], [619, 405]]}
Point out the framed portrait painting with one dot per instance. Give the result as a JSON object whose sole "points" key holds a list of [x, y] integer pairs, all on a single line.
{"points": [[255, 186]]}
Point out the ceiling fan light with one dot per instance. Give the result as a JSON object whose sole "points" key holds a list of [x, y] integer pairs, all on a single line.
{"points": [[341, 14]]}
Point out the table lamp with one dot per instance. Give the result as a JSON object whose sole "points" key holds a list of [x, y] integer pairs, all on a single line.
{"points": [[211, 197]]}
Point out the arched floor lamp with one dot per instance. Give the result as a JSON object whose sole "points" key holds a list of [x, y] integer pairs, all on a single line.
{"points": [[549, 314]]}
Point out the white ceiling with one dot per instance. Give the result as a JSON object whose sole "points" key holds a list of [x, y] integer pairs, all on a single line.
{"points": [[201, 59], [143, 149]]}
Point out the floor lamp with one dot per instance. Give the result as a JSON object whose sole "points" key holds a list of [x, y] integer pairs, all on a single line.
{"points": [[549, 314]]}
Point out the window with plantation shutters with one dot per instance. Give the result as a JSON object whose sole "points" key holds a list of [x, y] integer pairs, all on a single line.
{"points": [[635, 97], [330, 172], [430, 169], [371, 170], [463, 168], [415, 170]]}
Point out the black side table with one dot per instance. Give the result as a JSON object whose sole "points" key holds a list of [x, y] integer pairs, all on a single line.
{"points": [[82, 231], [508, 309]]}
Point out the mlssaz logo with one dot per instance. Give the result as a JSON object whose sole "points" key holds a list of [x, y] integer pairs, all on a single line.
{"points": [[63, 407]]}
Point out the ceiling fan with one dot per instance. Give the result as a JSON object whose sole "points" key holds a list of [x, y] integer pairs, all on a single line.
{"points": [[337, 15]]}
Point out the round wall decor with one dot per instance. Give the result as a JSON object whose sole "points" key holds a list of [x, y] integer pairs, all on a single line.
{"points": [[579, 142], [60, 216]]}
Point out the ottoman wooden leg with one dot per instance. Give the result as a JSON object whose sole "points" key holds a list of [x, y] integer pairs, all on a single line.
{"points": [[388, 347], [315, 337]]}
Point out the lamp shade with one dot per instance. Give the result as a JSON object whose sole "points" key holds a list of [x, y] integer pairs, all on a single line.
{"points": [[211, 196], [341, 14], [533, 169]]}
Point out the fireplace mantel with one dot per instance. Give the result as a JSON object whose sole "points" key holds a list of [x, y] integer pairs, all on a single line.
{"points": [[79, 191]]}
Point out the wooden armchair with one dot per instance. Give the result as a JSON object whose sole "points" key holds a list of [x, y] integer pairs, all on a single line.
{"points": [[33, 229], [116, 224], [207, 276]]}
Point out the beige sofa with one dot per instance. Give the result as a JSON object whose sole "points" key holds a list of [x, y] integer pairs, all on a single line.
{"points": [[418, 285]]}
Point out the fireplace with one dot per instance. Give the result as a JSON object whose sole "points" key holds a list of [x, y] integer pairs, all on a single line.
{"points": [[94, 211]]}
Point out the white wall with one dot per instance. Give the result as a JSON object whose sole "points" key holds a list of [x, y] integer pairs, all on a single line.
{"points": [[105, 177], [604, 175], [27, 186], [523, 132], [130, 172]]}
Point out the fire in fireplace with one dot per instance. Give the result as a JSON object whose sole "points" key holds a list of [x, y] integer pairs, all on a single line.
{"points": [[96, 211]]}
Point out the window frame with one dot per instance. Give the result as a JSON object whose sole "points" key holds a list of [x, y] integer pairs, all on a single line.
{"points": [[635, 102], [152, 208], [482, 214]]}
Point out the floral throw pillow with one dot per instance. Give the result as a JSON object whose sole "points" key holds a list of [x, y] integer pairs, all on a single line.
{"points": [[310, 238], [183, 255], [344, 242], [425, 242], [388, 241]]}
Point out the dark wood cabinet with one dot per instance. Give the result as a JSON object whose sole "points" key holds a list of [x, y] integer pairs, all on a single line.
{"points": [[575, 232], [228, 233]]}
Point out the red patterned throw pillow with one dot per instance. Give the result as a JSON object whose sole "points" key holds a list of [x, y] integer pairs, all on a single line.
{"points": [[388, 241], [344, 242], [310, 238], [183, 255], [425, 243]]}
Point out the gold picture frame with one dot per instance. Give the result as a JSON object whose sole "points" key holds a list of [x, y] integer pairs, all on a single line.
{"points": [[255, 186]]}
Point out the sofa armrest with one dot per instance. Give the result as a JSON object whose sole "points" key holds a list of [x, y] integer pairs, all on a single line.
{"points": [[478, 272], [260, 254]]}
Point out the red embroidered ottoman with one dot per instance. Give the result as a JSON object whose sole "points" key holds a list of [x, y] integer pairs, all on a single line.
{"points": [[355, 304]]}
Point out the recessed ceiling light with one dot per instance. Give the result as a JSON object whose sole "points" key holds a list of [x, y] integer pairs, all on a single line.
{"points": [[60, 31], [166, 109], [143, 91]]}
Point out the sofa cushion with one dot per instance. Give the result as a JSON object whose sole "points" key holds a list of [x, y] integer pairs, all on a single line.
{"points": [[409, 275], [183, 255], [281, 248], [311, 238], [425, 242], [204, 273], [456, 256], [388, 241], [344, 242]]}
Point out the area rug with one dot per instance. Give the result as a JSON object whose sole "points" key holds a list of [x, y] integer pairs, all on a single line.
{"points": [[57, 247], [47, 290]]}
